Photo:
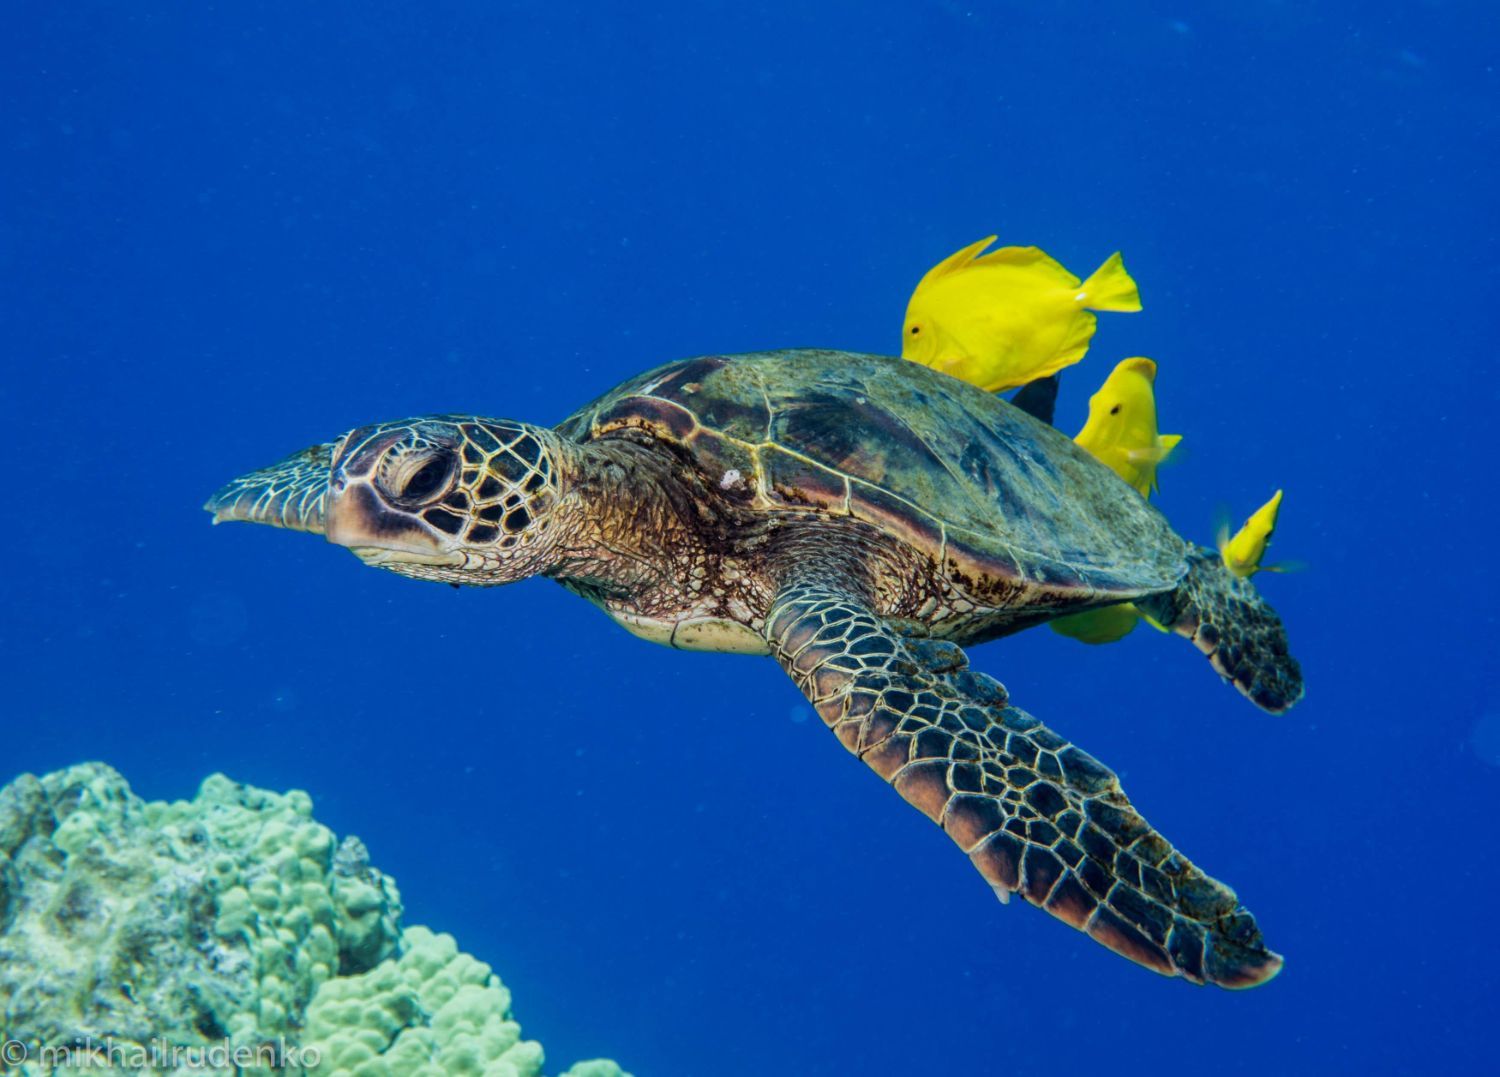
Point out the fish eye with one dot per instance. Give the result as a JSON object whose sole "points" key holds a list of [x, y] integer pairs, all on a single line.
{"points": [[1115, 410], [915, 330]]}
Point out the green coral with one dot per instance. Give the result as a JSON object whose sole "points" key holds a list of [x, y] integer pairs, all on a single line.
{"points": [[432, 1011], [233, 918]]}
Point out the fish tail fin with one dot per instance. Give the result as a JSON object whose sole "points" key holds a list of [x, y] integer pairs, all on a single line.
{"points": [[1111, 288], [1234, 627]]}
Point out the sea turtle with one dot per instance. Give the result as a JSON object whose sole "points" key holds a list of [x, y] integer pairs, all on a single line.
{"points": [[858, 518]]}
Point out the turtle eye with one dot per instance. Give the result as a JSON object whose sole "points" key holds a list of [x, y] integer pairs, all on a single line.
{"points": [[423, 481]]}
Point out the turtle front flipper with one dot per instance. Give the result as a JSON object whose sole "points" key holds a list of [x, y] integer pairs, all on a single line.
{"points": [[1036, 815], [292, 493]]}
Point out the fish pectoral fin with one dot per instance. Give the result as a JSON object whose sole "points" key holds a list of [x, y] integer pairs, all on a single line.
{"points": [[1154, 623], [1146, 454], [1149, 457], [1155, 454], [1285, 566], [1110, 288], [1222, 534]]}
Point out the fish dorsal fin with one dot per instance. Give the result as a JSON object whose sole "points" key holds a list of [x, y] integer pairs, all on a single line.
{"points": [[1022, 257], [955, 262], [1038, 398]]}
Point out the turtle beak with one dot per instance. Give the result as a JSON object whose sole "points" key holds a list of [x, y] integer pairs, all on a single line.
{"points": [[291, 494]]}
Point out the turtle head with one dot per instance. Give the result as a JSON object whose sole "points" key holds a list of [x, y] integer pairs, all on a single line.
{"points": [[457, 499]]}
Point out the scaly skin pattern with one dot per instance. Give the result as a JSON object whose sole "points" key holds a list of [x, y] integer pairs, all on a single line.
{"points": [[1036, 815], [504, 484], [857, 518], [1241, 635]]}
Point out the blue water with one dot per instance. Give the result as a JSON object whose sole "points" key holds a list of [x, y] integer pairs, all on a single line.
{"points": [[231, 231]]}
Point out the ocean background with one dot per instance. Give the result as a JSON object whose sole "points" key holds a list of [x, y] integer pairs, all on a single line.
{"points": [[231, 230]]}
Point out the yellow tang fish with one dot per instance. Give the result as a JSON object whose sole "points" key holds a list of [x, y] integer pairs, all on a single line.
{"points": [[1121, 427], [1243, 552], [1012, 316], [1104, 625], [1121, 432]]}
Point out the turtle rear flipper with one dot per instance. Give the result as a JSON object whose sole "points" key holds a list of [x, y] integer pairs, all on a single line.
{"points": [[1036, 815], [1228, 621]]}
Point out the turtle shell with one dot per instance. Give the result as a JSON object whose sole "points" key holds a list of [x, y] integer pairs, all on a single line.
{"points": [[993, 494]]}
